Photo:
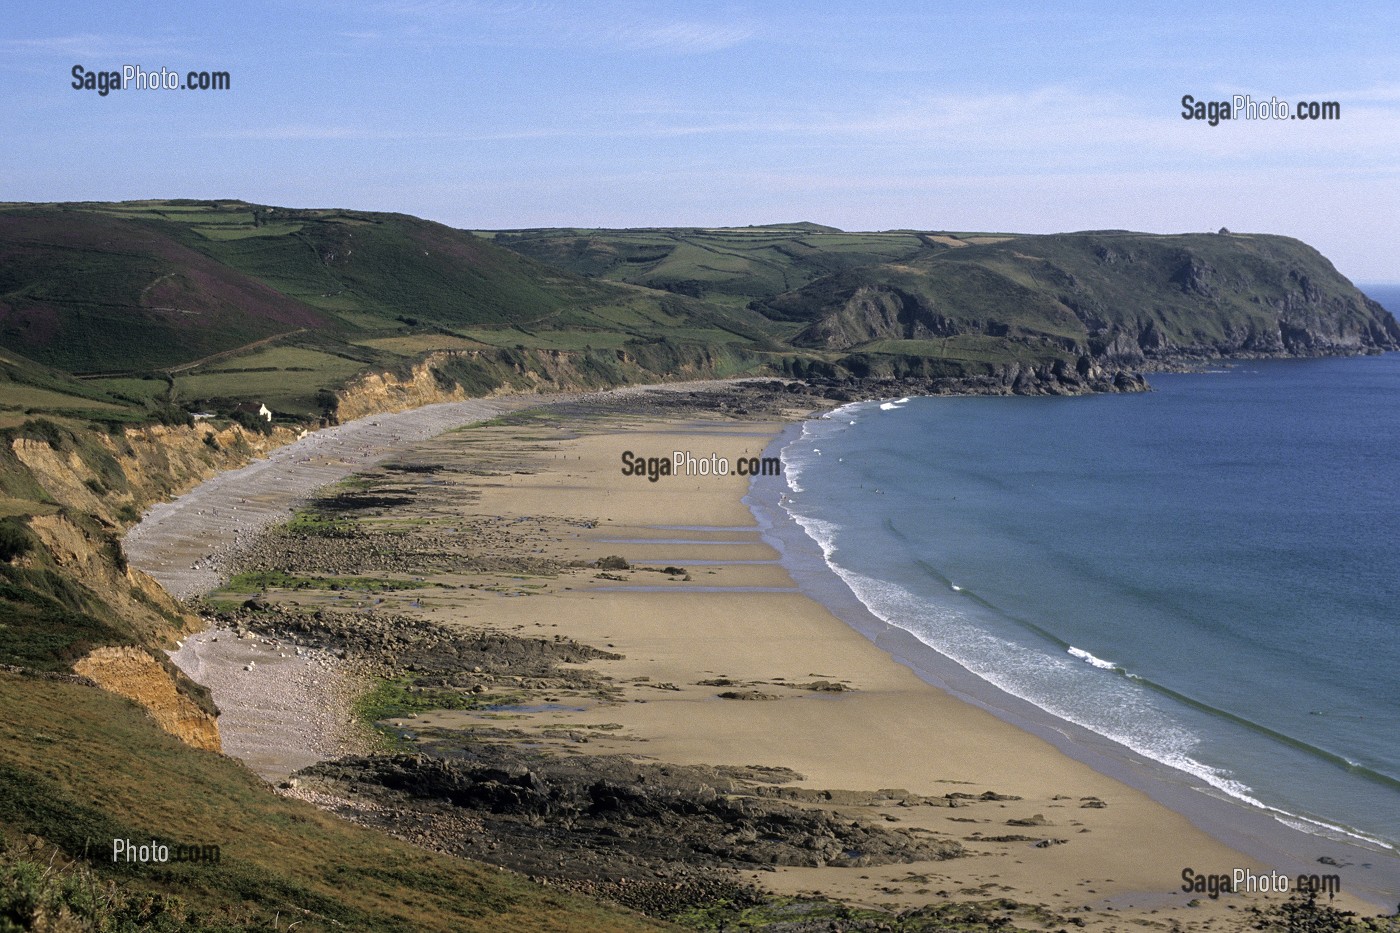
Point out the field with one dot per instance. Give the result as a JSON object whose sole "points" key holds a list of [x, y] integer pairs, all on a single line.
{"points": [[27, 398], [415, 344], [730, 267], [170, 307]]}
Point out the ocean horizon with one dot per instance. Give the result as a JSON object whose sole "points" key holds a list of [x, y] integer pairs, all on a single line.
{"points": [[1204, 574]]}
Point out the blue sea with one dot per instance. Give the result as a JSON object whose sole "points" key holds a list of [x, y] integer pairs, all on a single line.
{"points": [[1208, 574]]}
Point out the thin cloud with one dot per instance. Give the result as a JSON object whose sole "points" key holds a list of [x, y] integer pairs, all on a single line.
{"points": [[435, 23], [309, 131], [682, 37], [91, 46], [295, 132]]}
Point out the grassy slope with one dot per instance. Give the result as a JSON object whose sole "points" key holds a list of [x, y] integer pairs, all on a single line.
{"points": [[90, 292], [1195, 288], [79, 768], [730, 266], [52, 613], [199, 303], [985, 299], [387, 276]]}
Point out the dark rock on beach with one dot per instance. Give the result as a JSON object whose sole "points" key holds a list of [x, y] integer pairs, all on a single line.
{"points": [[607, 818]]}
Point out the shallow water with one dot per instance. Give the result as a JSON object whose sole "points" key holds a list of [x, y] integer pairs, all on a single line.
{"points": [[1206, 574]]}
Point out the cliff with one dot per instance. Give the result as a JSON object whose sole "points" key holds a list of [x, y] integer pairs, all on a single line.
{"points": [[1112, 301], [134, 673], [452, 375], [68, 598], [72, 602]]}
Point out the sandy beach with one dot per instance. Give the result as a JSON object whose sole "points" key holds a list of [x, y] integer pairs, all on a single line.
{"points": [[722, 661], [888, 729]]}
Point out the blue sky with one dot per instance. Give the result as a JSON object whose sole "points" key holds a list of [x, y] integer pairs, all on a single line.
{"points": [[489, 113]]}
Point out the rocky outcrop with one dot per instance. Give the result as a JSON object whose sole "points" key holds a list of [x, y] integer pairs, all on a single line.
{"points": [[609, 816], [869, 314], [1128, 302], [877, 313], [1010, 379], [134, 673], [861, 377]]}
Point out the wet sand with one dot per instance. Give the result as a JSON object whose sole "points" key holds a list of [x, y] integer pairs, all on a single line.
{"points": [[1079, 843], [744, 629], [186, 543]]}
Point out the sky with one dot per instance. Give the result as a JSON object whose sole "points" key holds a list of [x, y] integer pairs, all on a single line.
{"points": [[1026, 117]]}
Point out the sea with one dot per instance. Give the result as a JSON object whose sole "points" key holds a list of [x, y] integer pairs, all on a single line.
{"points": [[1208, 574]]}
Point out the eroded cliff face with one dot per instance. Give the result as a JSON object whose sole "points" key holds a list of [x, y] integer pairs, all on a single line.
{"points": [[95, 560], [381, 393], [454, 375], [115, 477], [91, 559], [98, 483], [161, 462], [132, 672]]}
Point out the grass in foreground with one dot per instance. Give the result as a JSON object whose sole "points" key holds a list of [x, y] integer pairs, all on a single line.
{"points": [[80, 768]]}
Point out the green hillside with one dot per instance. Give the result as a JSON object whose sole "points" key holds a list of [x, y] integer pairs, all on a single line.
{"points": [[164, 308], [200, 304], [730, 266], [80, 768], [1131, 296], [960, 305], [91, 292]]}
